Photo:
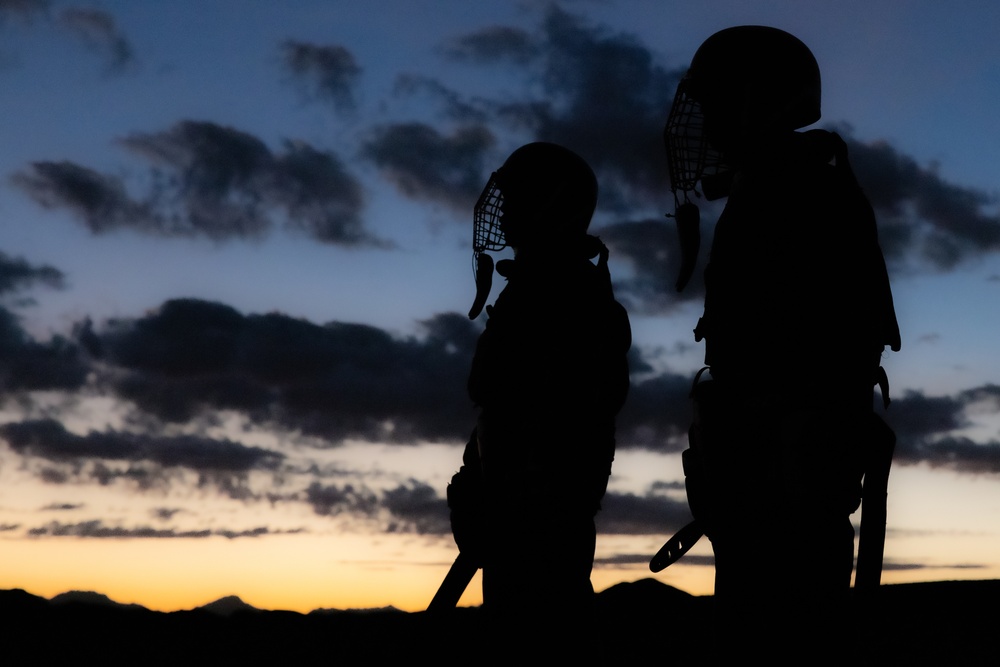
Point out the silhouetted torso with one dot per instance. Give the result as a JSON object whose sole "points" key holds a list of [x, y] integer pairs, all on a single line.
{"points": [[549, 374], [550, 367], [797, 292]]}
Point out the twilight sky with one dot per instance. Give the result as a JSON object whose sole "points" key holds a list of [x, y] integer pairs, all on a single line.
{"points": [[235, 262]]}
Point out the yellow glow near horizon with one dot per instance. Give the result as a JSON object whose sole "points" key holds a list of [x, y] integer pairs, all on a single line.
{"points": [[931, 538]]}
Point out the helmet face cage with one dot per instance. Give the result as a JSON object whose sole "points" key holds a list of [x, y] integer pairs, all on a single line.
{"points": [[690, 157], [486, 231]]}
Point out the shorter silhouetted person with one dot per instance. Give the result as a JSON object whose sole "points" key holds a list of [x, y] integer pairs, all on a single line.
{"points": [[549, 376], [798, 311]]}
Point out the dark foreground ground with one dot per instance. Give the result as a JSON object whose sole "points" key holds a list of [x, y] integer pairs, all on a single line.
{"points": [[646, 622]]}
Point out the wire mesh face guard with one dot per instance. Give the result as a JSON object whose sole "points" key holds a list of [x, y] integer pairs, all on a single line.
{"points": [[690, 157], [486, 231]]}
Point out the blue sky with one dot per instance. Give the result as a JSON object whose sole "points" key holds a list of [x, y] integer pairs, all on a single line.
{"points": [[236, 262]]}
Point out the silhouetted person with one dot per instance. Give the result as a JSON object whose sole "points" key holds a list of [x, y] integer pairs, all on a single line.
{"points": [[549, 375], [798, 311]]}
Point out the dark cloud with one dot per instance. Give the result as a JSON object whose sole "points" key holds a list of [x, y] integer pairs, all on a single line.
{"points": [[207, 180], [955, 453], [657, 413], [619, 560], [16, 274], [321, 197], [97, 529], [920, 212], [226, 181], [336, 381], [334, 499], [49, 439], [99, 32], [675, 485], [900, 566], [27, 365], [915, 416], [425, 164], [140, 475], [324, 72], [63, 507], [51, 475], [925, 428], [651, 514], [416, 507], [165, 513]]}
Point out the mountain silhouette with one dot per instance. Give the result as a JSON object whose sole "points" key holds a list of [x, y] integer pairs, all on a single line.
{"points": [[646, 620]]}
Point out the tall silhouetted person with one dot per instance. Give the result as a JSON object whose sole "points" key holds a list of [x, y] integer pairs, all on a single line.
{"points": [[549, 376], [798, 312]]}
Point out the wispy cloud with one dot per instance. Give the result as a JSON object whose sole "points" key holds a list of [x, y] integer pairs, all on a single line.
{"points": [[494, 44], [49, 439], [323, 72], [98, 529], [99, 32]]}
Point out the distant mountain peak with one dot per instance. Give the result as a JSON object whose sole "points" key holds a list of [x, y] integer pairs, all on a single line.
{"points": [[228, 605]]}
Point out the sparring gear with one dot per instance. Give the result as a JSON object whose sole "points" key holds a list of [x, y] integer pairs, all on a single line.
{"points": [[798, 311], [549, 376]]}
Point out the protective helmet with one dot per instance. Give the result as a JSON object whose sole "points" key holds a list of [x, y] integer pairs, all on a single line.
{"points": [[543, 195], [741, 80], [546, 192]]}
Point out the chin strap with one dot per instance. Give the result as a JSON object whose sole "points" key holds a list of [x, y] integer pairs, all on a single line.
{"points": [[484, 283], [588, 247], [688, 219]]}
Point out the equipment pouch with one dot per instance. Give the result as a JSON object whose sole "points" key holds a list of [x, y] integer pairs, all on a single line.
{"points": [[696, 458], [467, 505]]}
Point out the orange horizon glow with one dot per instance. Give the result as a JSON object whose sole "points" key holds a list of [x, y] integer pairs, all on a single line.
{"points": [[292, 573]]}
